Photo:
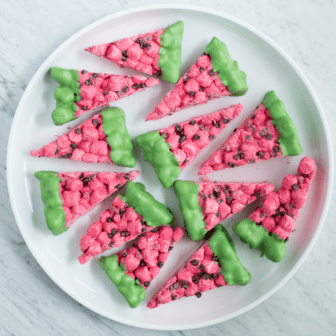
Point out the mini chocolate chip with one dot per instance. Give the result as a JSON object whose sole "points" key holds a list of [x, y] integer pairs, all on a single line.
{"points": [[192, 122], [185, 79], [252, 116], [109, 219], [214, 276], [142, 85], [170, 248], [295, 186], [125, 89], [67, 156], [206, 276], [174, 297], [160, 264], [248, 137], [124, 59], [138, 40], [124, 53], [228, 198], [84, 72], [260, 154], [177, 128], [211, 137], [57, 151], [198, 294], [257, 194], [236, 157], [241, 155], [200, 274], [114, 231], [147, 46], [212, 196], [268, 137], [171, 287], [196, 137], [226, 120], [78, 131], [118, 186], [305, 175], [192, 93], [111, 244], [195, 279], [105, 92], [212, 72], [127, 176], [218, 214], [220, 200], [147, 283], [201, 69], [282, 213], [95, 75], [135, 86], [123, 233], [88, 82], [276, 149], [262, 215], [81, 176], [122, 211], [142, 263], [234, 130], [143, 230], [194, 262], [95, 122], [176, 285], [262, 133], [201, 89], [216, 193], [216, 124], [84, 108], [182, 138], [164, 135], [201, 126], [201, 267], [124, 255], [291, 215], [184, 284]]}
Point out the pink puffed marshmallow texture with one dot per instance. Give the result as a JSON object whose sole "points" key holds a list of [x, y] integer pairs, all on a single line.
{"points": [[199, 85], [140, 52], [82, 191], [200, 273], [280, 210], [220, 200], [188, 138], [253, 141]]}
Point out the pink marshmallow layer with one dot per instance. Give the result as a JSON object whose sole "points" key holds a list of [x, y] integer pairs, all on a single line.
{"points": [[188, 138], [253, 141], [200, 273], [140, 52], [199, 85], [220, 200], [86, 142], [144, 260], [280, 210], [81, 192]]}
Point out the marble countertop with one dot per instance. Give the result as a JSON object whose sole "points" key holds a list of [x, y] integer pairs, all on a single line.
{"points": [[30, 302]]}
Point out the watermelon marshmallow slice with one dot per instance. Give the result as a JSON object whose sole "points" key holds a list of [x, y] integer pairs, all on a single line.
{"points": [[205, 204], [213, 265], [213, 75], [170, 150], [129, 215], [81, 91], [268, 133], [68, 196], [132, 270], [103, 138], [268, 227], [157, 52]]}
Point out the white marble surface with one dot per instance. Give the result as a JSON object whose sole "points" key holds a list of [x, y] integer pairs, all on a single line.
{"points": [[30, 303]]}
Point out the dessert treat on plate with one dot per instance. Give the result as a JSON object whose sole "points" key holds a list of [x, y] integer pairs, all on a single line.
{"points": [[81, 91], [213, 75], [169, 150], [267, 134], [205, 204], [132, 270], [213, 265], [155, 53], [268, 227], [129, 215], [103, 138], [68, 196]]}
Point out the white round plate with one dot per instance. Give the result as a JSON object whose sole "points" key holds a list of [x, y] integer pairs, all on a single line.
{"points": [[267, 68]]}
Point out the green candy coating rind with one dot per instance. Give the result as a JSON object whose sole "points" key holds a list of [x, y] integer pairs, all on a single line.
{"points": [[187, 194], [170, 52], [273, 247], [228, 71], [51, 198], [66, 94], [288, 136], [157, 152], [232, 269], [132, 292], [153, 212], [114, 127]]}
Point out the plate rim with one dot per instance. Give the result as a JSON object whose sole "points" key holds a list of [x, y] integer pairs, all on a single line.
{"points": [[295, 68]]}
